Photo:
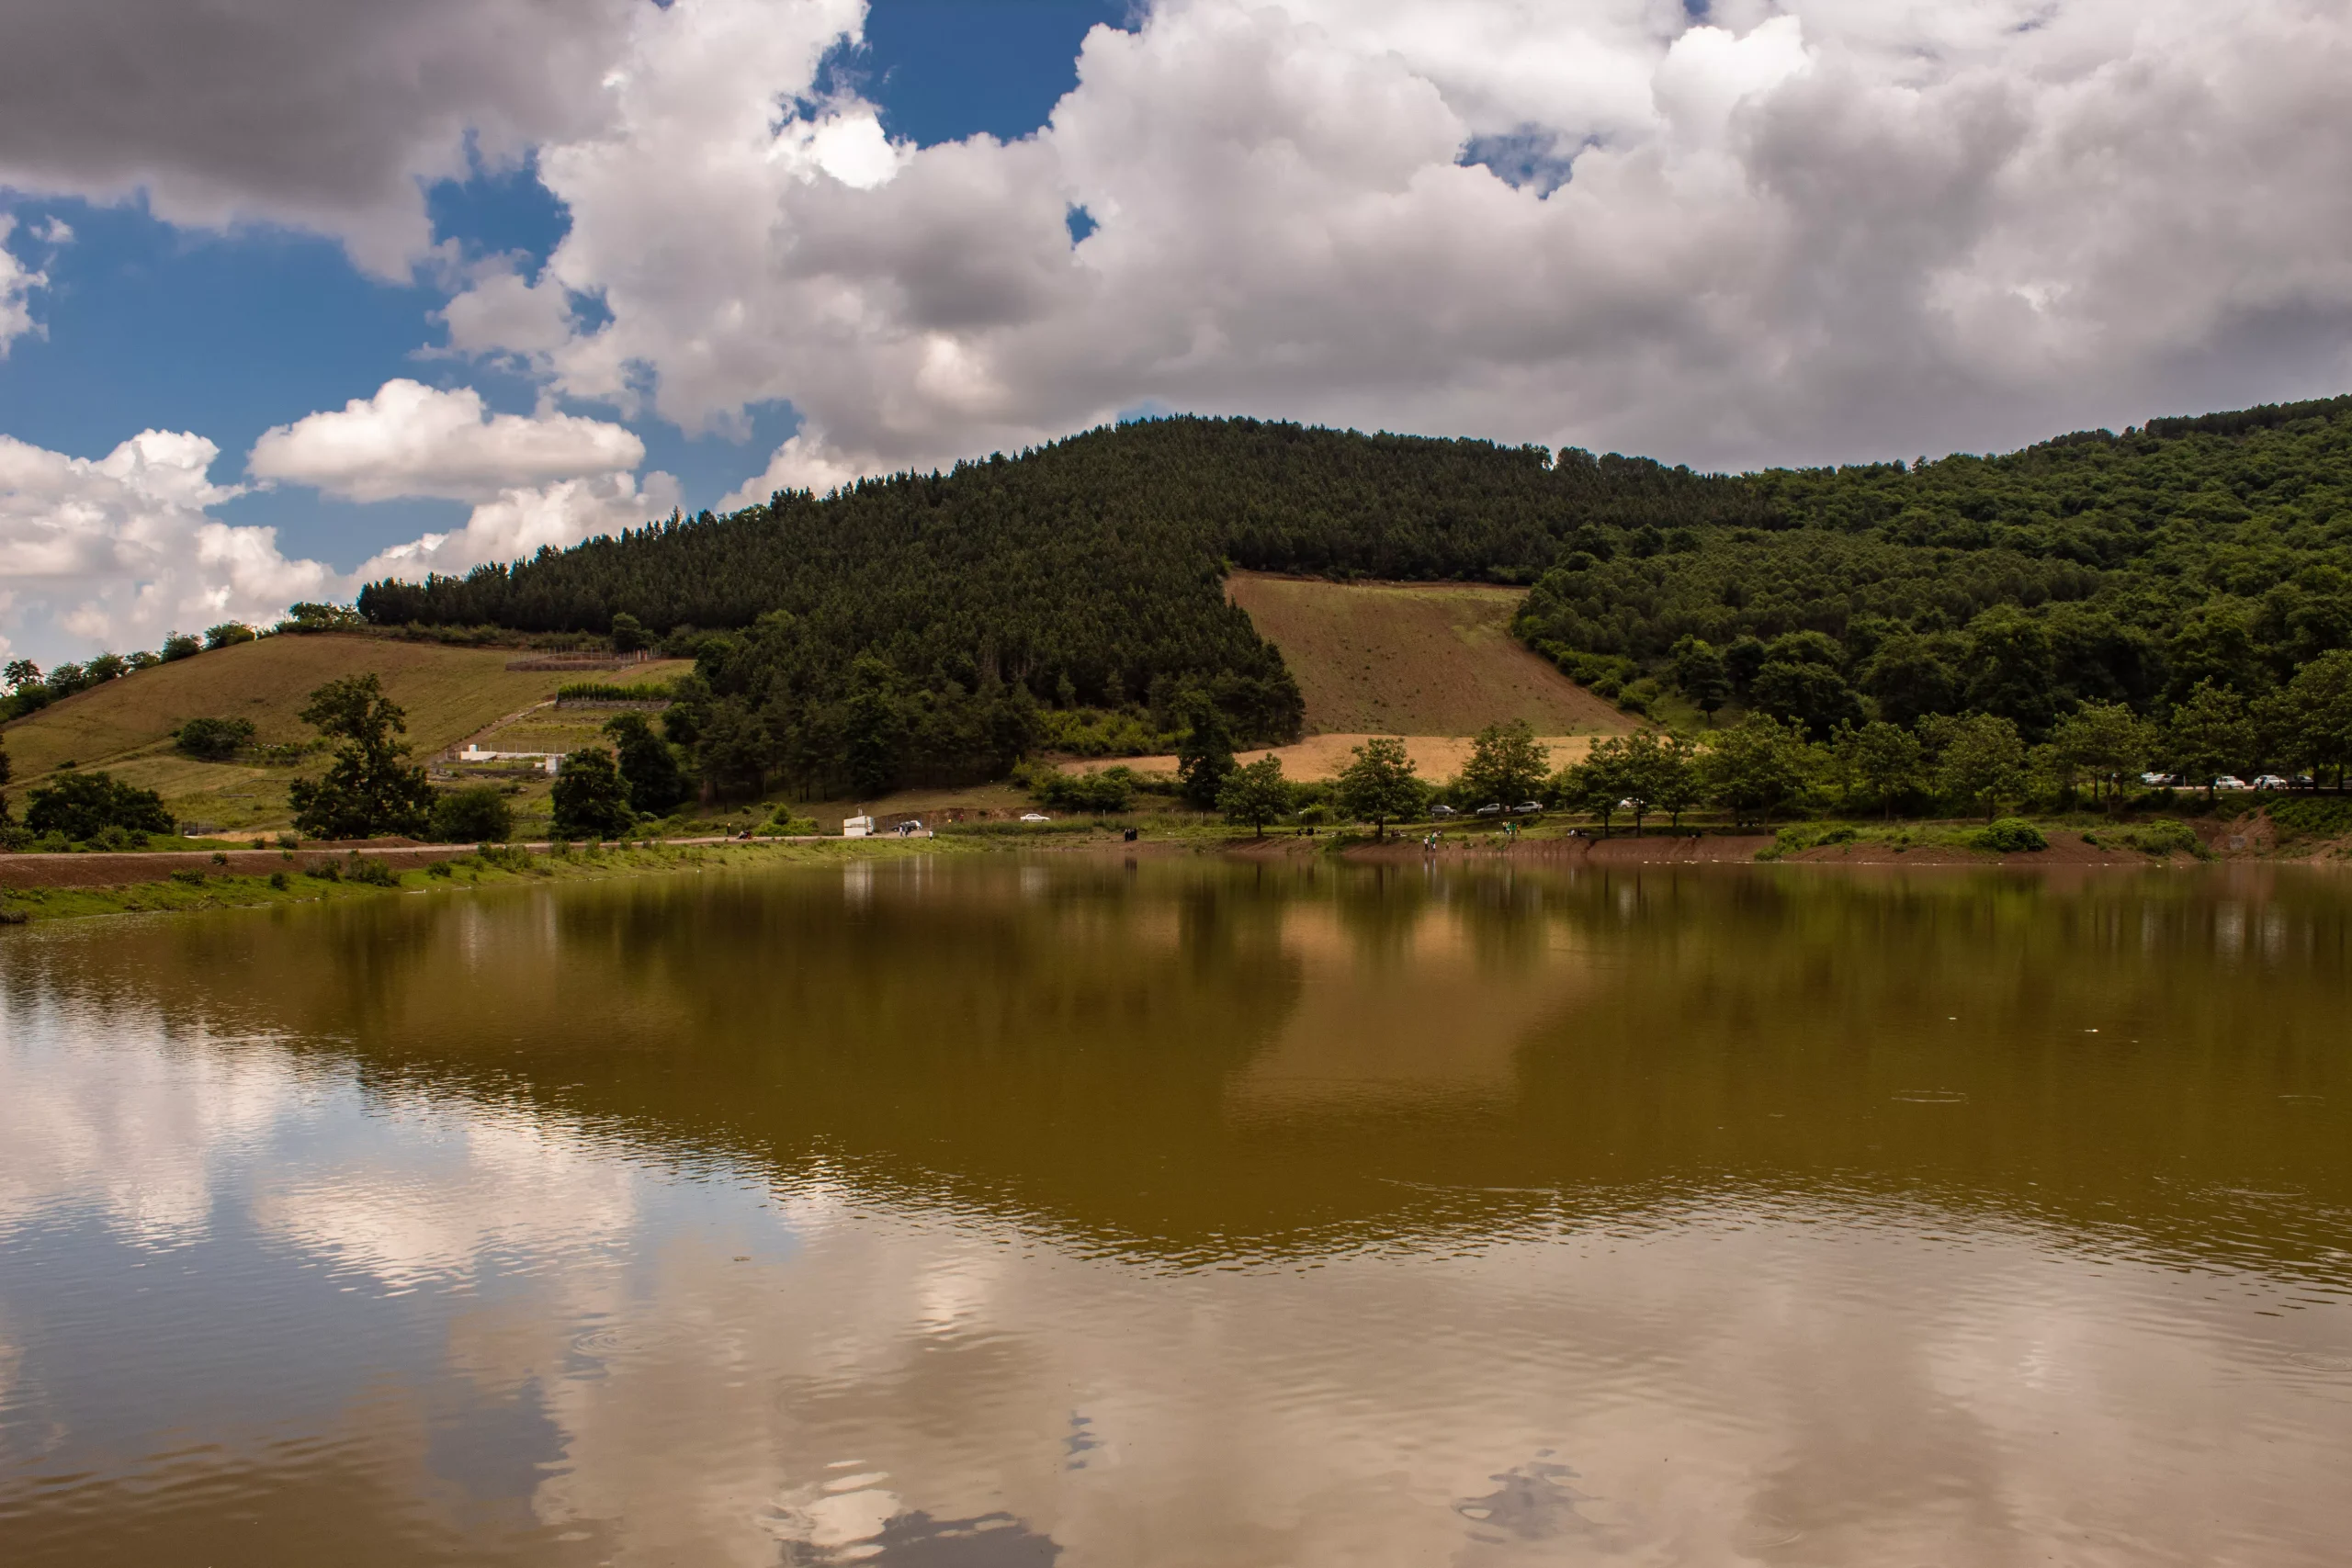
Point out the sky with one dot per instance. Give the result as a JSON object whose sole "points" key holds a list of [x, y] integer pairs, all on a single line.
{"points": [[303, 293]]}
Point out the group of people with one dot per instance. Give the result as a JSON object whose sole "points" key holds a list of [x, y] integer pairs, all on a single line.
{"points": [[1434, 840]]}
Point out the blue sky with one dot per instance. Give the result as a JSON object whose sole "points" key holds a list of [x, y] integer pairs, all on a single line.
{"points": [[149, 325]]}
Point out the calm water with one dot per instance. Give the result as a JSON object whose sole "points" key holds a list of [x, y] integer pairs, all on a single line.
{"points": [[978, 1213]]}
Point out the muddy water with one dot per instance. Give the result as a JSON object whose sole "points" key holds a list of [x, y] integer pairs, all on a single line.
{"points": [[994, 1214]]}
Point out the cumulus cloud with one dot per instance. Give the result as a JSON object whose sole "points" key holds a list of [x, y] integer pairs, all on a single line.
{"points": [[18, 281], [322, 114], [116, 551], [1817, 230], [519, 522], [414, 440]]}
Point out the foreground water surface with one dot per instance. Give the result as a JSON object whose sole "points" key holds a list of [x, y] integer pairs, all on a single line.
{"points": [[983, 1212]]}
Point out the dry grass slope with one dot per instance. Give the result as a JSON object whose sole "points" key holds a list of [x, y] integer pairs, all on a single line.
{"points": [[1414, 658], [125, 725]]}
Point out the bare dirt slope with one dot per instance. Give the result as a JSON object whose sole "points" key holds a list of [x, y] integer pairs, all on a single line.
{"points": [[1432, 659]]}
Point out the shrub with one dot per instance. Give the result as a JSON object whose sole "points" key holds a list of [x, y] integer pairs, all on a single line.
{"points": [[590, 798], [228, 634], [1105, 792], [214, 739], [327, 871], [2312, 817], [277, 881], [505, 858], [188, 877], [181, 645], [373, 873], [477, 815], [82, 805], [438, 868], [2161, 837], [611, 692], [2009, 835]]}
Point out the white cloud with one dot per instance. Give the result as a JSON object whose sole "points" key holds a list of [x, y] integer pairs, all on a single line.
{"points": [[116, 551], [1824, 229], [519, 522], [17, 283], [414, 440]]}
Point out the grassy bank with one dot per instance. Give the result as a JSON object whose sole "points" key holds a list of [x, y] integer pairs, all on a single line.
{"points": [[363, 876]]}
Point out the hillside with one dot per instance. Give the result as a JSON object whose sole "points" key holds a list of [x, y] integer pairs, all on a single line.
{"points": [[1413, 659], [2127, 569], [126, 726]]}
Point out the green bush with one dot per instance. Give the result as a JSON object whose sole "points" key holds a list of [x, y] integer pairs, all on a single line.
{"points": [[278, 880], [82, 805], [2008, 836], [1101, 793], [373, 873], [2311, 816], [439, 868], [505, 857], [2161, 837], [188, 877], [477, 815], [214, 739], [327, 871]]}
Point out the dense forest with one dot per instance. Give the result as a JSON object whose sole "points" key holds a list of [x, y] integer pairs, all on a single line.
{"points": [[2097, 568], [932, 626]]}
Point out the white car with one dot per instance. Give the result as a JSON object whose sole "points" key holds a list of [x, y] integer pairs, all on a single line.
{"points": [[2229, 781], [1035, 817], [2156, 780], [2269, 781]]}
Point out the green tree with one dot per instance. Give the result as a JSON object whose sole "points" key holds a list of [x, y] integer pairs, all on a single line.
{"points": [[1506, 763], [2310, 720], [1810, 694], [1676, 786], [1754, 767], [477, 814], [1979, 758], [228, 634], [20, 674], [628, 634], [1699, 672], [648, 766], [1379, 786], [1886, 760], [179, 646], [82, 805], [2211, 734], [1910, 679], [1595, 783], [370, 787], [2106, 741], [1205, 756], [591, 799], [1645, 767], [1257, 795]]}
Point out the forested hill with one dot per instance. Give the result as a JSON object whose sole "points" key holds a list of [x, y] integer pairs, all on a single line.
{"points": [[1087, 572], [2130, 568], [2095, 567]]}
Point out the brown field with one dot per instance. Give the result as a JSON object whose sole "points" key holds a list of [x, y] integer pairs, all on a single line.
{"points": [[1435, 757], [1430, 659], [125, 727]]}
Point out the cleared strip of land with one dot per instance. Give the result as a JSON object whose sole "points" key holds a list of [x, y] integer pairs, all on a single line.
{"points": [[1414, 658]]}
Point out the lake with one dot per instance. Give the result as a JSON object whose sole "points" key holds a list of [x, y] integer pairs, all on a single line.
{"points": [[980, 1211]]}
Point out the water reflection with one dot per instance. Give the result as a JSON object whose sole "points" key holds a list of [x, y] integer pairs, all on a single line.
{"points": [[947, 1213]]}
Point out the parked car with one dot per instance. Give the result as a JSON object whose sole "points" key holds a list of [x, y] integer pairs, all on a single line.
{"points": [[1492, 808], [2156, 780], [2269, 781], [1035, 817], [1527, 809], [2229, 781], [1440, 813]]}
